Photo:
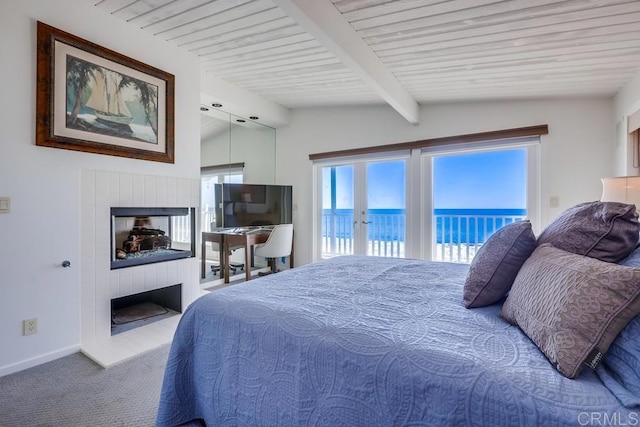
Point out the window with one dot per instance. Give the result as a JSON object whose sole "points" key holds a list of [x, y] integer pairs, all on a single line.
{"points": [[437, 202], [475, 193]]}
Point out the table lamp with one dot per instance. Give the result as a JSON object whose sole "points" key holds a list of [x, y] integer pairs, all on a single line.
{"points": [[625, 189]]}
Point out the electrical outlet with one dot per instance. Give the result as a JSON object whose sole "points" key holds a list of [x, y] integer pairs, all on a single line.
{"points": [[29, 326]]}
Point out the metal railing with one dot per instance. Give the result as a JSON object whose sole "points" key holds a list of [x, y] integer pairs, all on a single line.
{"points": [[457, 236]]}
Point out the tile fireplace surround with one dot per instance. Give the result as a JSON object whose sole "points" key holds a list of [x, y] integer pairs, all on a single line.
{"points": [[100, 191]]}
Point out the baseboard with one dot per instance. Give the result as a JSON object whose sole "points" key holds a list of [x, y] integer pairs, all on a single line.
{"points": [[39, 360]]}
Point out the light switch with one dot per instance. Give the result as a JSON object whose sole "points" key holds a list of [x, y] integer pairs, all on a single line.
{"points": [[554, 201], [4, 205]]}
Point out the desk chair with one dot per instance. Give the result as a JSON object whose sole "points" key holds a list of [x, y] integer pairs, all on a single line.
{"points": [[278, 245], [233, 266]]}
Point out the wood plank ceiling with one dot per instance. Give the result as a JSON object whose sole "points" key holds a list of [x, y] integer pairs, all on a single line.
{"points": [[437, 50]]}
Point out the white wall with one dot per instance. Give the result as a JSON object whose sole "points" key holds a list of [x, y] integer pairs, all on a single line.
{"points": [[43, 228], [627, 101], [579, 150]]}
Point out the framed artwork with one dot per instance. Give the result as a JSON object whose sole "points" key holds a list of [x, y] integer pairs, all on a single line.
{"points": [[93, 99]]}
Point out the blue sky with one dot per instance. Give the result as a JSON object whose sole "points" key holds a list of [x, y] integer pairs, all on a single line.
{"points": [[495, 179]]}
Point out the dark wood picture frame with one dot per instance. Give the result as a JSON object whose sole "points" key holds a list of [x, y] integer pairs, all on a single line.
{"points": [[78, 79]]}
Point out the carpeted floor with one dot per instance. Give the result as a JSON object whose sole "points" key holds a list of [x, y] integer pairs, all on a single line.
{"points": [[74, 391]]}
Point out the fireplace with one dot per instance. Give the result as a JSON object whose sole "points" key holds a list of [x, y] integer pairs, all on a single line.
{"points": [[149, 235]]}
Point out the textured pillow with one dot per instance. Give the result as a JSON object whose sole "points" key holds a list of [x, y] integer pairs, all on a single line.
{"points": [[497, 263], [607, 231], [572, 307]]}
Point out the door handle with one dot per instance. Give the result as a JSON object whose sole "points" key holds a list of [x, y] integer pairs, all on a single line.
{"points": [[367, 222]]}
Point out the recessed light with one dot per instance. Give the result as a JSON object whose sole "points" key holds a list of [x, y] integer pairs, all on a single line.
{"points": [[240, 120], [254, 117], [204, 109], [216, 105]]}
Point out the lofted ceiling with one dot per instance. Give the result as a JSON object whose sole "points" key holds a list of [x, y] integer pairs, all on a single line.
{"points": [[300, 53]]}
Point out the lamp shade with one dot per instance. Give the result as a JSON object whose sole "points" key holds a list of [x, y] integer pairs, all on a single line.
{"points": [[625, 189]]}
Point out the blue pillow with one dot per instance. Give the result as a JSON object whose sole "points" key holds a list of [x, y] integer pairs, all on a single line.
{"points": [[633, 260], [620, 368]]}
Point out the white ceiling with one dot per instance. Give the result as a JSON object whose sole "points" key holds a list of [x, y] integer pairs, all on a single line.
{"points": [[406, 52]]}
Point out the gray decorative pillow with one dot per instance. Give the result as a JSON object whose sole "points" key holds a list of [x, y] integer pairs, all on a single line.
{"points": [[572, 307], [496, 264], [607, 231]]}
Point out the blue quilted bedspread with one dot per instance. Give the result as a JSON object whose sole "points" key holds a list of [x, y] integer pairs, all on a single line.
{"points": [[359, 341]]}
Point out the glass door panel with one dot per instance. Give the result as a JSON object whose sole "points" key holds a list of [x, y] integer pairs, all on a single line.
{"points": [[337, 211], [385, 212], [363, 209]]}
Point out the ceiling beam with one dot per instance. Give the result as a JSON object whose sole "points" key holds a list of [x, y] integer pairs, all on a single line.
{"points": [[321, 19]]}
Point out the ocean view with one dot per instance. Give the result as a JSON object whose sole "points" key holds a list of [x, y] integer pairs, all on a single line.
{"points": [[456, 226]]}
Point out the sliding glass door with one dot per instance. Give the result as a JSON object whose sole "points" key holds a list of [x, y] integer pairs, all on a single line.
{"points": [[338, 224], [363, 208], [385, 215]]}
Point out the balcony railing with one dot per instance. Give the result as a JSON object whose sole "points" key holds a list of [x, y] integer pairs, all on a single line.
{"points": [[458, 233]]}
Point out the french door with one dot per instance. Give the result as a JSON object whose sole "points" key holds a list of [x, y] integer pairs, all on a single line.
{"points": [[363, 208]]}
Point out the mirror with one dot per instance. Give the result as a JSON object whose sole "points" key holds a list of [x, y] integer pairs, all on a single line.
{"points": [[231, 144], [233, 150]]}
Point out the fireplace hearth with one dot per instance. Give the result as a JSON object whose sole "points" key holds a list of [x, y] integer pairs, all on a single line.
{"points": [[149, 235], [143, 308]]}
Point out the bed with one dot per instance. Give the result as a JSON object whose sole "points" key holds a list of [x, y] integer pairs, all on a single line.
{"points": [[363, 341]]}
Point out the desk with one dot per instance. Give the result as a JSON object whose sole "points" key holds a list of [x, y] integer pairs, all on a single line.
{"points": [[233, 237], [246, 239]]}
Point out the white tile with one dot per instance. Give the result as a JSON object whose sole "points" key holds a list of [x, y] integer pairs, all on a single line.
{"points": [[126, 281], [137, 191], [172, 272], [87, 311], [100, 283], [195, 193], [161, 191], [150, 277], [114, 189], [103, 318], [137, 283], [103, 234], [114, 284], [126, 190], [183, 195], [87, 187], [150, 191], [87, 225], [172, 191], [103, 197], [161, 275]]}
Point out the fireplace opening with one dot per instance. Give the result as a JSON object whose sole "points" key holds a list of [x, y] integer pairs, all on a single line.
{"points": [[148, 235], [133, 311]]}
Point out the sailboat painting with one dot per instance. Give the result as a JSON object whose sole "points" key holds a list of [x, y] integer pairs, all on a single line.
{"points": [[107, 102], [93, 99]]}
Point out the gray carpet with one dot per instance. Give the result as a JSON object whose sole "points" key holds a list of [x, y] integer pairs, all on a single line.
{"points": [[74, 391]]}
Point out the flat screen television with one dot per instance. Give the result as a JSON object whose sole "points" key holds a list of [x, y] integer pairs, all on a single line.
{"points": [[247, 205]]}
